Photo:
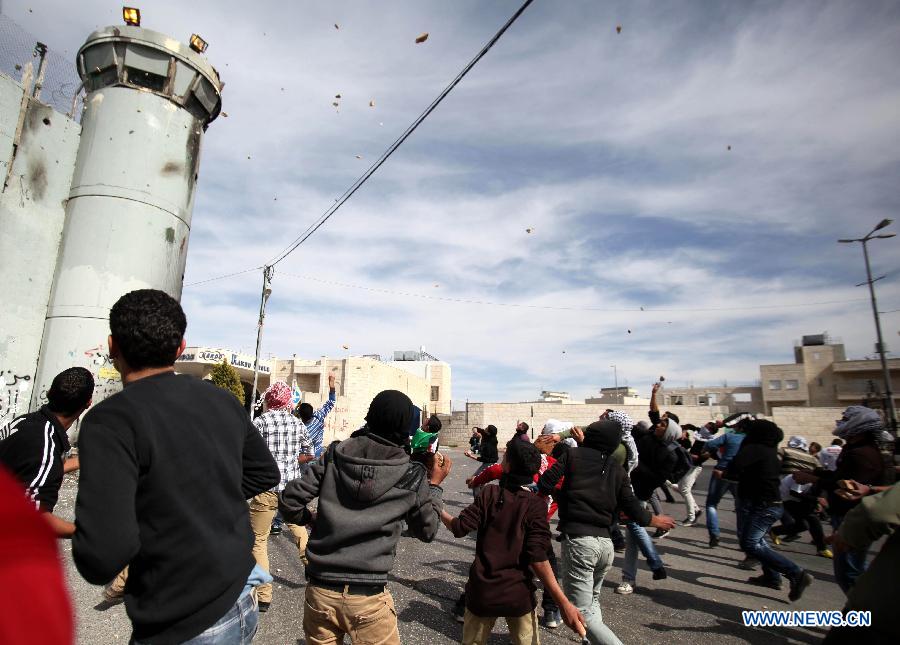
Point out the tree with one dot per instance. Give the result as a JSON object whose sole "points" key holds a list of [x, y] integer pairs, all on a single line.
{"points": [[227, 378]]}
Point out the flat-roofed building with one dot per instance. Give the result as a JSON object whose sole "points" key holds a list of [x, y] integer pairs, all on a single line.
{"points": [[822, 377]]}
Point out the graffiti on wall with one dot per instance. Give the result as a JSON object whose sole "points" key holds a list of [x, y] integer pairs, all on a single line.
{"points": [[15, 390], [107, 380]]}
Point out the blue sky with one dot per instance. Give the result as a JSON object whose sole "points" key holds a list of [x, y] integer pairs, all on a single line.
{"points": [[612, 147]]}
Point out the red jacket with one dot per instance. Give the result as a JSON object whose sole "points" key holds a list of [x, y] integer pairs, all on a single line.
{"points": [[39, 611], [496, 471]]}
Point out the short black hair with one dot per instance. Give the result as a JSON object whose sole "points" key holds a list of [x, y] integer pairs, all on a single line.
{"points": [[815, 445], [306, 412], [837, 442], [673, 416], [148, 327], [524, 427], [70, 391], [523, 458]]}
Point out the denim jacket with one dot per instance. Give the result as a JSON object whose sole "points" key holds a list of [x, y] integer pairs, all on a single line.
{"points": [[730, 443]]}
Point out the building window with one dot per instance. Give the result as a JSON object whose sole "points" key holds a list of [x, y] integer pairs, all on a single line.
{"points": [[821, 382], [791, 384], [677, 399], [713, 398], [435, 392], [775, 385]]}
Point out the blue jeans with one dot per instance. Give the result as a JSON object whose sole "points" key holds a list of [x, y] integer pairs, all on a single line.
{"points": [[635, 539], [585, 562], [849, 565], [757, 520], [237, 627], [714, 494]]}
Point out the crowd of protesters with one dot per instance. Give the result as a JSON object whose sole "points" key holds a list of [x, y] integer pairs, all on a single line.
{"points": [[179, 489]]}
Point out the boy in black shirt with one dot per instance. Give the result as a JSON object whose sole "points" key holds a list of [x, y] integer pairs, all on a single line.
{"points": [[167, 467], [33, 446], [757, 470]]}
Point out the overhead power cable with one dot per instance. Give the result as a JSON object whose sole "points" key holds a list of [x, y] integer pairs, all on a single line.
{"points": [[356, 185], [222, 277], [571, 308]]}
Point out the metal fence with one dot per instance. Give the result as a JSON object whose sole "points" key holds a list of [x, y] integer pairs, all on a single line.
{"points": [[61, 81]]}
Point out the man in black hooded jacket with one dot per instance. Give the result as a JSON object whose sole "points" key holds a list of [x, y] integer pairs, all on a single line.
{"points": [[757, 470], [366, 487], [595, 486]]}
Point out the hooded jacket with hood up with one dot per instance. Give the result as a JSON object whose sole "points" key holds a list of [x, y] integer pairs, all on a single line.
{"points": [[756, 467], [366, 487], [595, 484]]}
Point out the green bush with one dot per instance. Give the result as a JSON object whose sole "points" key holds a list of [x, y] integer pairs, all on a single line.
{"points": [[227, 378]]}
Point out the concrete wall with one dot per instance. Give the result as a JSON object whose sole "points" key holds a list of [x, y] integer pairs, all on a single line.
{"points": [[37, 158], [816, 424], [506, 415]]}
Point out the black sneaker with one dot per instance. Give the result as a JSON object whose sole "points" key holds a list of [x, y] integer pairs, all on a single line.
{"points": [[799, 585], [713, 541], [263, 606], [459, 609], [660, 534], [791, 538], [619, 548], [660, 574], [764, 581], [748, 564], [275, 530]]}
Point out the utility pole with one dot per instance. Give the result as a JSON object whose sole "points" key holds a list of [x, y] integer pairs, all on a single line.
{"points": [[886, 373], [268, 271], [616, 381]]}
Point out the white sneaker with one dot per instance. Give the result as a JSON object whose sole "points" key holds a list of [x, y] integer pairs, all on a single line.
{"points": [[624, 589]]}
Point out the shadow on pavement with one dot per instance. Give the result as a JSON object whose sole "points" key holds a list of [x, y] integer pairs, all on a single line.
{"points": [[754, 636], [441, 621]]}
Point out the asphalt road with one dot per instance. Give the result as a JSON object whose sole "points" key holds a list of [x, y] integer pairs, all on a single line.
{"points": [[700, 602]]}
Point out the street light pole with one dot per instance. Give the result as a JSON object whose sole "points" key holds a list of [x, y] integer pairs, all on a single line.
{"points": [[264, 298], [886, 373], [616, 380]]}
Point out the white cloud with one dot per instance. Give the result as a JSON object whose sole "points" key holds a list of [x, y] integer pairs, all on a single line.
{"points": [[611, 147]]}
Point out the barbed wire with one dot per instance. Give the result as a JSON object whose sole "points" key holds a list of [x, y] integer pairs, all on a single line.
{"points": [[61, 80]]}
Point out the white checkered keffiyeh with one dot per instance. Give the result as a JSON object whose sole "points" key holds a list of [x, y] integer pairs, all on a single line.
{"points": [[286, 437]]}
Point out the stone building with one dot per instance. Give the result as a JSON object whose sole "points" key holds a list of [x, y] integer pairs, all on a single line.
{"points": [[733, 398], [359, 378], [822, 377]]}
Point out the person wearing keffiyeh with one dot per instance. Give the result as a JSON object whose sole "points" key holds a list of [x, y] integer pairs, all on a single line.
{"points": [[861, 461], [287, 440]]}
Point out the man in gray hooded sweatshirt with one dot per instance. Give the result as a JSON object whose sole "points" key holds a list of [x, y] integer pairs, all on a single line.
{"points": [[367, 486]]}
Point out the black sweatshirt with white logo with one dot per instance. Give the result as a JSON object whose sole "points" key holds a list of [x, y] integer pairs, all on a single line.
{"points": [[166, 468], [32, 447]]}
